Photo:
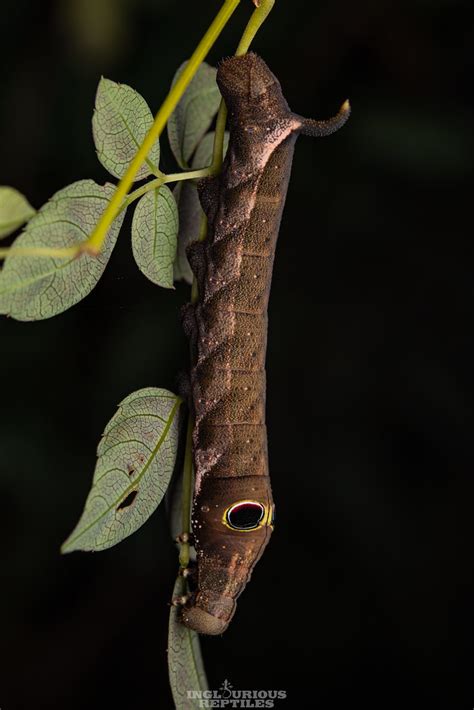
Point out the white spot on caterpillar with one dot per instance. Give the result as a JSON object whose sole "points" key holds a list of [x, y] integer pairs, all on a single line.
{"points": [[205, 460]]}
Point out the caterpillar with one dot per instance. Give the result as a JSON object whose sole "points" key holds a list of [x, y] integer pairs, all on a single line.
{"points": [[232, 513]]}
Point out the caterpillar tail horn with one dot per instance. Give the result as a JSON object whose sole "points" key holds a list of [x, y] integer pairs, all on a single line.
{"points": [[318, 129]]}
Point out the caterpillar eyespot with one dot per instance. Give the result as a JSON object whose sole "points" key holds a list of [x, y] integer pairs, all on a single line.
{"points": [[244, 515], [228, 333]]}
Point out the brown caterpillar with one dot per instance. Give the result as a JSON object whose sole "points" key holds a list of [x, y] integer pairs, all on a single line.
{"points": [[233, 508]]}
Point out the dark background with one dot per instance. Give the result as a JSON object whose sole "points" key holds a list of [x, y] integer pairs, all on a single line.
{"points": [[365, 593]]}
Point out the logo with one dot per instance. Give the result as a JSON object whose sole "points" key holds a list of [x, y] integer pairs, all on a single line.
{"points": [[227, 697]]}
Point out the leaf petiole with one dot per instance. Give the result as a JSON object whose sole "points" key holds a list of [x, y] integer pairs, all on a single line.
{"points": [[184, 553], [163, 180]]}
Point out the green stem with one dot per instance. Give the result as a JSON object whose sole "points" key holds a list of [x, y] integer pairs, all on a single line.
{"points": [[257, 19], [218, 148], [189, 175], [162, 180], [187, 494], [152, 185], [187, 490]]}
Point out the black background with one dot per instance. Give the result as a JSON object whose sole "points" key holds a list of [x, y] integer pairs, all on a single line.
{"points": [[365, 593]]}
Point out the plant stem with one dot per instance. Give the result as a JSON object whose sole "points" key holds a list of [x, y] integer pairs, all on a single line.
{"points": [[218, 148], [189, 175], [152, 185], [187, 493], [162, 179], [96, 239], [257, 19]]}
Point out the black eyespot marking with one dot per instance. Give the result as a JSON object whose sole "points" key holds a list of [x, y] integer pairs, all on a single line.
{"points": [[245, 515], [128, 500]]}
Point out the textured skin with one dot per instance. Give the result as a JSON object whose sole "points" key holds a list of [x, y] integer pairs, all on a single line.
{"points": [[228, 332]]}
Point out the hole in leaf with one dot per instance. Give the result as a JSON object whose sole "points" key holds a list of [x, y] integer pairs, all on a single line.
{"points": [[130, 469], [128, 500]]}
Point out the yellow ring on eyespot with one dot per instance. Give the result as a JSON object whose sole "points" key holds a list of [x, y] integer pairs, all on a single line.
{"points": [[264, 520]]}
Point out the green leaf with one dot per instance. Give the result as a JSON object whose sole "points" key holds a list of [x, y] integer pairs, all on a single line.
{"points": [[34, 288], [155, 235], [189, 207], [15, 210], [120, 123], [185, 664], [193, 115], [136, 456]]}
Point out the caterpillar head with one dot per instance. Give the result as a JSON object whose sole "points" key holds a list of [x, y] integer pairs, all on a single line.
{"points": [[245, 76], [247, 82]]}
